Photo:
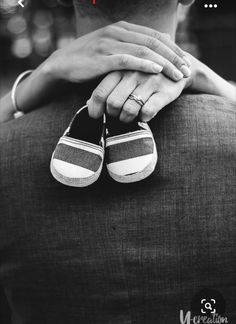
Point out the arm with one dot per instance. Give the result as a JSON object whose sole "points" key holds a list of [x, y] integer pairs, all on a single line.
{"points": [[157, 91], [121, 46], [205, 80], [31, 92]]}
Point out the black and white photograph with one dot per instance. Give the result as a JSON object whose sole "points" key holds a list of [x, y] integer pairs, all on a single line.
{"points": [[117, 162]]}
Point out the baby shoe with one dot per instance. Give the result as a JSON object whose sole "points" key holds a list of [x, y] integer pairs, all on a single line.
{"points": [[78, 157], [131, 153]]}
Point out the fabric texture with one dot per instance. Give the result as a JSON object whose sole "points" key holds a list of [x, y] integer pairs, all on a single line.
{"points": [[84, 156], [119, 253], [129, 148], [131, 156]]}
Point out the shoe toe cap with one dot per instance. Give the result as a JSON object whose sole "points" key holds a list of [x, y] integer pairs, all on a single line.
{"points": [[130, 166], [71, 171]]}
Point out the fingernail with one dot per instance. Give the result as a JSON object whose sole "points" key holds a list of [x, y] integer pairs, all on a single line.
{"points": [[186, 59], [157, 68], [185, 70], [178, 75]]}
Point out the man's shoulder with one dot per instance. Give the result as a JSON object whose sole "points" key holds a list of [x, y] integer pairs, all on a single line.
{"points": [[29, 141], [41, 125], [196, 112], [52, 120], [38, 132], [203, 102]]}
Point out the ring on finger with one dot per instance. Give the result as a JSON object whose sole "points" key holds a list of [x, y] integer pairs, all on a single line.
{"points": [[137, 99]]}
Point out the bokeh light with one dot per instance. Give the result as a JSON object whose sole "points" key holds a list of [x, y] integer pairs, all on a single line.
{"points": [[21, 47], [43, 19], [17, 24]]}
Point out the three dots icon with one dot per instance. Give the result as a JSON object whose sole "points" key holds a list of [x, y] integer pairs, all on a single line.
{"points": [[211, 6]]}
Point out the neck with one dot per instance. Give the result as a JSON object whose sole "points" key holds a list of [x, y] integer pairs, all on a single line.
{"points": [[164, 22]]}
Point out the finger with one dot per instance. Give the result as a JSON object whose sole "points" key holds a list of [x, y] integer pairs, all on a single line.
{"points": [[155, 45], [128, 62], [131, 108], [157, 35], [97, 102], [143, 52], [119, 95], [155, 103]]}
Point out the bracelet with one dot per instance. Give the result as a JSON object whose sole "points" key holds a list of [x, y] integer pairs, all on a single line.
{"points": [[13, 91]]}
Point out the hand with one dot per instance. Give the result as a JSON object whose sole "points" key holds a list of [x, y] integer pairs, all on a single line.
{"points": [[111, 95], [120, 46]]}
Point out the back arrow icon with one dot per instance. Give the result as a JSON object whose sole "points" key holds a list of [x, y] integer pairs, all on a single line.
{"points": [[20, 3]]}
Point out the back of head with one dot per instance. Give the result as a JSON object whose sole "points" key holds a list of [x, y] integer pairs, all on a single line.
{"points": [[122, 9]]}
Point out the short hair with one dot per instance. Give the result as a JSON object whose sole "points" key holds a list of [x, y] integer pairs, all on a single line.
{"points": [[120, 9]]}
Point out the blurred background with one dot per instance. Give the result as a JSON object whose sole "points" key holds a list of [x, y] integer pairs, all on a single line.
{"points": [[28, 35]]}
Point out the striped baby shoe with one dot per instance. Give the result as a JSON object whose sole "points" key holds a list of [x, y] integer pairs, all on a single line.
{"points": [[131, 153], [78, 157]]}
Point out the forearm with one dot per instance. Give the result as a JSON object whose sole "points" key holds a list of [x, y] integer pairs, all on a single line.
{"points": [[30, 93], [205, 80], [120, 46]]}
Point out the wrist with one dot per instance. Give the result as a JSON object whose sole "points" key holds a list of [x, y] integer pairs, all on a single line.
{"points": [[197, 76], [54, 68], [49, 71], [205, 80], [7, 110]]}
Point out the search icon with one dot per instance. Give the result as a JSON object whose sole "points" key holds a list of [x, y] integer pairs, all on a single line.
{"points": [[208, 306]]}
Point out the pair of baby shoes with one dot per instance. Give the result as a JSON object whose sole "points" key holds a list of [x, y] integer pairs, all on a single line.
{"points": [[128, 150]]}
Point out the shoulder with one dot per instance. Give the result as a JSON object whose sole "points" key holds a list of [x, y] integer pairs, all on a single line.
{"points": [[38, 128], [41, 128], [27, 142], [204, 104], [52, 119], [202, 114]]}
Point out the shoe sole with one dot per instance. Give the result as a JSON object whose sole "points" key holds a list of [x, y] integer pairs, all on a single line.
{"points": [[74, 182], [139, 175]]}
